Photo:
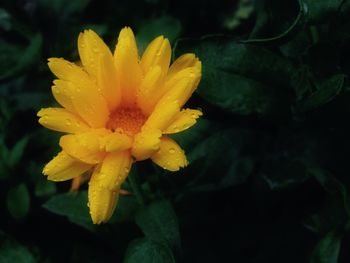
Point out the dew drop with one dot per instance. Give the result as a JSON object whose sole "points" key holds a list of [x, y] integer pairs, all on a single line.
{"points": [[171, 150]]}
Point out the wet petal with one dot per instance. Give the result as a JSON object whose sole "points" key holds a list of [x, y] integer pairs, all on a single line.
{"points": [[181, 87], [102, 201], [86, 147], [83, 92], [91, 47], [150, 90], [59, 119], [105, 184], [183, 62], [126, 60], [162, 115], [117, 142], [170, 155], [157, 53], [108, 82], [183, 120], [146, 143], [63, 167], [62, 93]]}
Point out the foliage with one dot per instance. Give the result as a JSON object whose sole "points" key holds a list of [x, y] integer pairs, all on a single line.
{"points": [[269, 161]]}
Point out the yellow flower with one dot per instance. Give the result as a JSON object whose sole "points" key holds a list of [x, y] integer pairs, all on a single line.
{"points": [[117, 109]]}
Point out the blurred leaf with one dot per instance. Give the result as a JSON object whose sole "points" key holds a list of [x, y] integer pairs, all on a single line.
{"points": [[167, 26], [327, 249], [13, 252], [270, 12], [15, 60], [65, 8], [319, 11], [18, 201], [147, 251], [242, 79], [16, 152], [158, 222], [73, 206], [326, 91], [44, 187], [126, 209], [225, 153], [5, 20], [283, 174]]}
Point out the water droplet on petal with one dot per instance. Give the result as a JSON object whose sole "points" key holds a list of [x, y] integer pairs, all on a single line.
{"points": [[171, 150]]}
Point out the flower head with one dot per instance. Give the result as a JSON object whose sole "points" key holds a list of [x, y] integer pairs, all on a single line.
{"points": [[116, 109]]}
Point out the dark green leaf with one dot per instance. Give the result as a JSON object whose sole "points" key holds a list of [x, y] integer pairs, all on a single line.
{"points": [[18, 201], [158, 222], [241, 78], [126, 209], [44, 187], [266, 16], [16, 152], [326, 91], [13, 252], [319, 11], [327, 249], [73, 206], [5, 20], [14, 60], [168, 26], [148, 251]]}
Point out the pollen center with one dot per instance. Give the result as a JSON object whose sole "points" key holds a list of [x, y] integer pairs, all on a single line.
{"points": [[130, 120]]}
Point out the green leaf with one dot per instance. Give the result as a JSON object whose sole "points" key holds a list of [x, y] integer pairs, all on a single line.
{"points": [[44, 187], [269, 12], [65, 8], [319, 11], [126, 209], [236, 164], [5, 20], [16, 152], [14, 60], [18, 201], [158, 221], [167, 26], [73, 206], [11, 251], [241, 78], [147, 251], [284, 174], [326, 91], [327, 249]]}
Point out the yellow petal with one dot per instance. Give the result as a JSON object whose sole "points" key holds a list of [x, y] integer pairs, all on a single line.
{"points": [[62, 94], [183, 120], [91, 47], [59, 119], [184, 61], [63, 167], [117, 142], [126, 60], [162, 115], [102, 201], [157, 53], [83, 92], [170, 156], [108, 82], [114, 170], [105, 184], [86, 147], [148, 92], [181, 86], [146, 143]]}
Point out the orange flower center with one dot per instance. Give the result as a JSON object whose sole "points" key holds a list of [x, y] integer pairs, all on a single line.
{"points": [[129, 120]]}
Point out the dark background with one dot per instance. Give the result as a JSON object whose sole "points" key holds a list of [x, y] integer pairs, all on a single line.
{"points": [[268, 179]]}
